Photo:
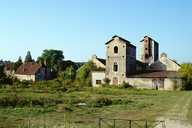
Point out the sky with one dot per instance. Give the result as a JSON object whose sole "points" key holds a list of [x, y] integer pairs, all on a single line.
{"points": [[81, 27]]}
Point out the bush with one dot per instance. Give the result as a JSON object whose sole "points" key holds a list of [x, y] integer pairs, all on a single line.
{"points": [[126, 85], [100, 102], [107, 80], [186, 73], [14, 100]]}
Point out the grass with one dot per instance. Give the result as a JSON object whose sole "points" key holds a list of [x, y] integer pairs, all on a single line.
{"points": [[82, 108]]}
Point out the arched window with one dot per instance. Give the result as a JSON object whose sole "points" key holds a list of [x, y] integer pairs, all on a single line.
{"points": [[115, 67], [115, 49]]}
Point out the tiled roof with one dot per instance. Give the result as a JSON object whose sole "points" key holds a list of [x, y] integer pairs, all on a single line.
{"points": [[156, 74], [28, 69]]}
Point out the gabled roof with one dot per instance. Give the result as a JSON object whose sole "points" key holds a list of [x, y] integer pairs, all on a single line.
{"points": [[28, 69], [124, 40], [103, 61]]}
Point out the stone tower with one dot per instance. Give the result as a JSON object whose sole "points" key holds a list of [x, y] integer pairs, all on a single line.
{"points": [[150, 50], [120, 60]]}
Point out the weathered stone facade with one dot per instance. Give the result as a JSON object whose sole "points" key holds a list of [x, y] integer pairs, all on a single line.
{"points": [[121, 59], [150, 50], [122, 66]]}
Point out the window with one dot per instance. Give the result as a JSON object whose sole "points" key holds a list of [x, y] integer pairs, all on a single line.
{"points": [[115, 67], [98, 81], [115, 49]]}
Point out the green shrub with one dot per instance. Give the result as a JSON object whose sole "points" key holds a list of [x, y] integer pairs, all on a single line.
{"points": [[100, 102], [21, 101], [107, 80], [126, 85]]}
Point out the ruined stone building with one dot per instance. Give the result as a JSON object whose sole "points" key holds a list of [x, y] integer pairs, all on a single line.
{"points": [[122, 66]]}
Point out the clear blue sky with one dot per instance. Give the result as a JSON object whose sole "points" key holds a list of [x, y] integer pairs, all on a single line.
{"points": [[81, 27]]}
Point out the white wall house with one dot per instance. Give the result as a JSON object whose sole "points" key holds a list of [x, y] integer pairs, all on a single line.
{"points": [[98, 78]]}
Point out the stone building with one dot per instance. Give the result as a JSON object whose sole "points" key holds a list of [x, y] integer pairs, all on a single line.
{"points": [[121, 59], [32, 72], [121, 66], [99, 62], [150, 50]]}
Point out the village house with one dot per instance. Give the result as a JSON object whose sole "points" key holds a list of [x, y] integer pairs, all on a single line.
{"points": [[122, 66], [8, 69], [32, 72]]}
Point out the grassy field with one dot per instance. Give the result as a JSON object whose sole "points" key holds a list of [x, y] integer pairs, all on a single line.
{"points": [[83, 107]]}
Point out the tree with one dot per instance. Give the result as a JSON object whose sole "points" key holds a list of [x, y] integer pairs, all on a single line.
{"points": [[70, 73], [52, 59], [28, 57], [2, 71], [186, 73], [17, 63], [84, 74]]}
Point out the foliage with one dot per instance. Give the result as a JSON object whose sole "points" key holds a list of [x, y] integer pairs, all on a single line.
{"points": [[85, 105], [52, 59], [84, 74], [107, 80], [126, 85], [100, 102], [1, 71], [28, 57], [14, 100], [17, 63], [186, 73], [68, 74], [3, 78], [6, 80], [68, 63]]}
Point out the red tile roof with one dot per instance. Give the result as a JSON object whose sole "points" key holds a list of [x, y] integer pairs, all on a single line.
{"points": [[28, 69]]}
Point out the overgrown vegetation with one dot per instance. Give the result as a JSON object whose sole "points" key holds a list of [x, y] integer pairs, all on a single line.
{"points": [[84, 104], [186, 73]]}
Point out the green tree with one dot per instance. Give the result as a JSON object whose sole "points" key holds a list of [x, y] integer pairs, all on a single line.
{"points": [[69, 73], [17, 63], [52, 59], [84, 74], [186, 73], [28, 57]]}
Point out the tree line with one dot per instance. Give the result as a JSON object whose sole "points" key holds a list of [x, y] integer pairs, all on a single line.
{"points": [[61, 70]]}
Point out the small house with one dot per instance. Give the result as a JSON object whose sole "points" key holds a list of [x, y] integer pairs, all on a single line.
{"points": [[32, 72]]}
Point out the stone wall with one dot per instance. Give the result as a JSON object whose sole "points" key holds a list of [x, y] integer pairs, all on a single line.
{"points": [[172, 83], [157, 83], [125, 59], [119, 58]]}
